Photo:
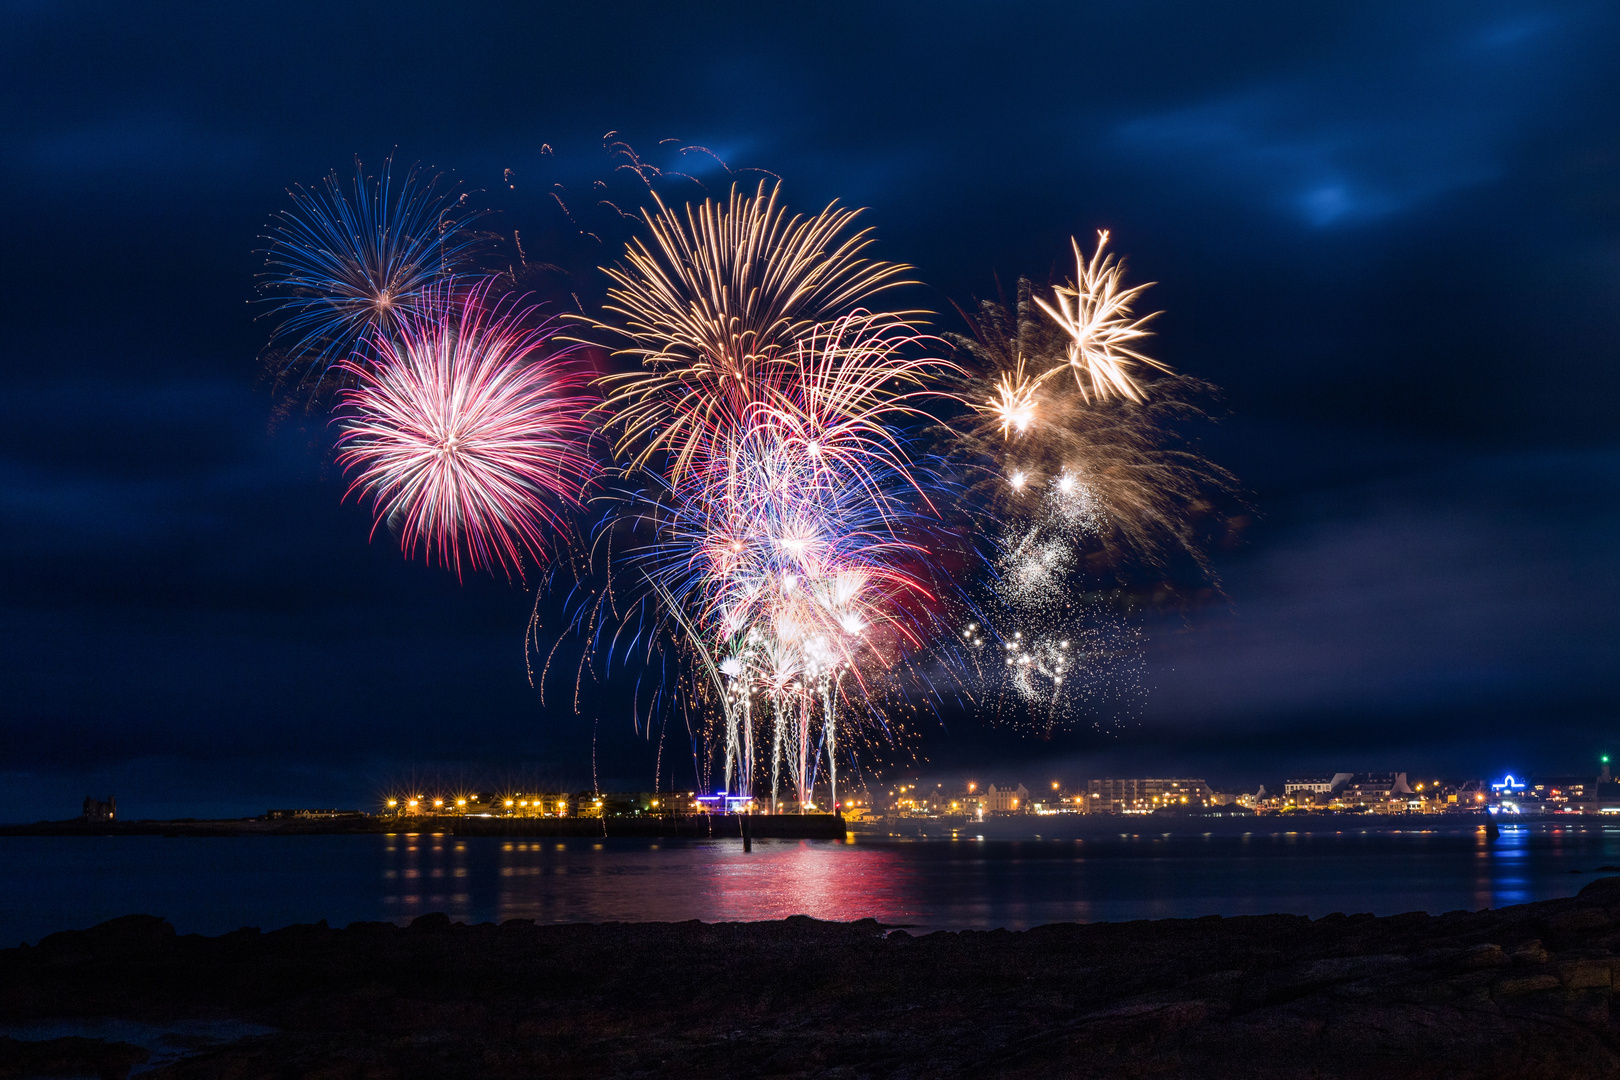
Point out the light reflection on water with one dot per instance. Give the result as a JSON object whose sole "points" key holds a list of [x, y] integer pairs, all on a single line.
{"points": [[217, 884]]}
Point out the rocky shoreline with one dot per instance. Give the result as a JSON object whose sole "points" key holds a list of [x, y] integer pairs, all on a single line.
{"points": [[1522, 992]]}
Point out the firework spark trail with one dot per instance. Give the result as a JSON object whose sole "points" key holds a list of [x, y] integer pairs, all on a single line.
{"points": [[345, 266], [787, 565], [468, 431], [1096, 312], [720, 297], [1081, 473], [773, 554], [767, 405]]}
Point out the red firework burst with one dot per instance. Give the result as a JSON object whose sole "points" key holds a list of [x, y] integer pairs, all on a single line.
{"points": [[467, 432]]}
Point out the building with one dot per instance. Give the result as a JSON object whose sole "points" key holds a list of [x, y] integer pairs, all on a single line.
{"points": [[662, 803], [589, 804], [1562, 790], [1111, 796], [1013, 800], [1383, 792], [440, 803], [859, 808], [976, 801], [916, 800], [736, 803], [1058, 800], [310, 814], [1310, 786], [100, 809], [532, 804]]}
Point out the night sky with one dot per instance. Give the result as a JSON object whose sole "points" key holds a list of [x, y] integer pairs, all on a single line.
{"points": [[1390, 232]]}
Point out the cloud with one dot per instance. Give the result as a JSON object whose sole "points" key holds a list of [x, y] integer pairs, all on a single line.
{"points": [[1356, 142], [140, 147], [114, 464], [1485, 586], [1279, 146]]}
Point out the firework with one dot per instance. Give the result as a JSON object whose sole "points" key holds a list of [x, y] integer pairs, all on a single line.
{"points": [[1095, 312], [768, 410], [790, 573], [771, 545], [717, 301], [467, 432], [346, 266], [1082, 477]]}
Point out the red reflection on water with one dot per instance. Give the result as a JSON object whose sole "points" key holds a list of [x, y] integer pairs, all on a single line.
{"points": [[714, 882], [824, 881]]}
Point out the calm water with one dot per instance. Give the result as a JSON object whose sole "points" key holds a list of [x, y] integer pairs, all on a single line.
{"points": [[215, 885]]}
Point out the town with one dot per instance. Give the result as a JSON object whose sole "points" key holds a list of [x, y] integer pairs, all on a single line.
{"points": [[1343, 792], [1387, 793]]}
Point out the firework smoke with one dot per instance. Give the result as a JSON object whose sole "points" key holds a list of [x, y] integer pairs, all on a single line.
{"points": [[1080, 476]]}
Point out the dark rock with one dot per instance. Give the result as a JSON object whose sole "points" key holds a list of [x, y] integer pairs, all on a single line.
{"points": [[1606, 889], [69, 1057], [1522, 993]]}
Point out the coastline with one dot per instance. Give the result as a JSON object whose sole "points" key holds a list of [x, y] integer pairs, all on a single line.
{"points": [[1521, 991], [1070, 826], [777, 826]]}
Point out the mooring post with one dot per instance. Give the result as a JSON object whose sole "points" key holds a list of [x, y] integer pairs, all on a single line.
{"points": [[747, 832]]}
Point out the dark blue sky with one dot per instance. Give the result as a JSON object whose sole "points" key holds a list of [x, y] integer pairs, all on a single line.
{"points": [[1391, 232]]}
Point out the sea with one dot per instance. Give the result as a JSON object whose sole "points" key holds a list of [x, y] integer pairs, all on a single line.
{"points": [[1135, 871]]}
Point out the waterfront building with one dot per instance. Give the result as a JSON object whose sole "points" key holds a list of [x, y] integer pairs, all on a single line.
{"points": [[1114, 796], [532, 804], [1588, 794], [1600, 796], [976, 801], [310, 815], [1056, 800], [1013, 800], [916, 800], [664, 803], [857, 809], [442, 803], [736, 803], [1375, 792], [1306, 788], [1560, 791], [100, 809]]}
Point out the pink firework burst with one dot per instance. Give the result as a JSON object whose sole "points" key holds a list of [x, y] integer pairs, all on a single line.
{"points": [[467, 432]]}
